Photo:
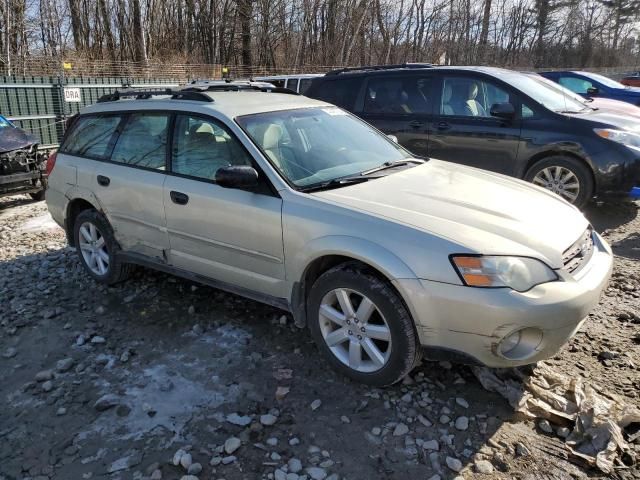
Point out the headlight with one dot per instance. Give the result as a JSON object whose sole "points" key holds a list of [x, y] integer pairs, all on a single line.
{"points": [[620, 136], [518, 273]]}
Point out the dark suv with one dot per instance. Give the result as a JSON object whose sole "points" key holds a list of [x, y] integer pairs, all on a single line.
{"points": [[505, 121]]}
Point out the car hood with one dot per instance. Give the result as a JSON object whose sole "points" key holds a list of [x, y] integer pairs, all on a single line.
{"points": [[610, 118], [484, 212], [615, 106], [12, 138]]}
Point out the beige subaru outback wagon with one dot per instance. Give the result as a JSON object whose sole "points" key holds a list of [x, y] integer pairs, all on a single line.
{"points": [[298, 204]]}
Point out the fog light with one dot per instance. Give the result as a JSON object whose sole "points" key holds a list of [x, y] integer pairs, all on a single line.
{"points": [[521, 344]]}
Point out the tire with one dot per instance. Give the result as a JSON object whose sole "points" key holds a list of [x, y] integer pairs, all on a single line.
{"points": [[108, 268], [395, 358], [37, 196], [569, 169]]}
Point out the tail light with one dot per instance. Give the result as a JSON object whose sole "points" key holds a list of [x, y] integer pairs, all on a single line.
{"points": [[51, 162]]}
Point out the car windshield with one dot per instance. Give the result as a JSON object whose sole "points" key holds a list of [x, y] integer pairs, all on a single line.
{"points": [[312, 146], [551, 97], [602, 79]]}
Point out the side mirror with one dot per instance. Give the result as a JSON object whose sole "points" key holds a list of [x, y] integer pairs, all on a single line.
{"points": [[592, 91], [237, 176], [393, 138], [504, 110]]}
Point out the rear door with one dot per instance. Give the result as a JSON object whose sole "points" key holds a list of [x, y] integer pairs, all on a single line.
{"points": [[401, 106], [464, 130], [123, 165], [231, 235]]}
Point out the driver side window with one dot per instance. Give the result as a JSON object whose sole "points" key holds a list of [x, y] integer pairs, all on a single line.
{"points": [[201, 146]]}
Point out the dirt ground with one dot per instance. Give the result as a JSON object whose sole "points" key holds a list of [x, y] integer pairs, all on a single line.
{"points": [[119, 382]]}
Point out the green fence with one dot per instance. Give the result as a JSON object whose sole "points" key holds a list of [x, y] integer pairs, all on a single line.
{"points": [[38, 104]]}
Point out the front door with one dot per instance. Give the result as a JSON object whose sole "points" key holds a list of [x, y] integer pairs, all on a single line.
{"points": [[230, 235], [464, 130], [401, 106]]}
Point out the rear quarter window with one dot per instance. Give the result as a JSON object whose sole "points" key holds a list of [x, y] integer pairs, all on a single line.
{"points": [[340, 92], [91, 136]]}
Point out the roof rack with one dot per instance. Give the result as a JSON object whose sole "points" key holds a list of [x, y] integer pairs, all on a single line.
{"points": [[238, 86], [379, 67], [142, 94]]}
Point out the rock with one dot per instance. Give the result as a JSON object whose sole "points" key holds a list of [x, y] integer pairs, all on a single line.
{"points": [[194, 469], [317, 473], [295, 476], [10, 352], [424, 421], [453, 464], [268, 419], [294, 441], [545, 426], [191, 310], [283, 320], [231, 445], [444, 419], [229, 459], [125, 463], [406, 398], [607, 355], [106, 402], [81, 340], [401, 429], [98, 340], [186, 461], [99, 310], [177, 456], [345, 419], [294, 465], [279, 475], [563, 432], [47, 386], [522, 450], [316, 404], [275, 456], [435, 477], [61, 411], [462, 423], [156, 474], [431, 445], [215, 461], [272, 442], [240, 420], [64, 365], [376, 431], [44, 375], [483, 466], [189, 477], [462, 402]]}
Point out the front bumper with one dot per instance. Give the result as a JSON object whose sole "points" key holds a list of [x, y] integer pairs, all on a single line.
{"points": [[473, 321]]}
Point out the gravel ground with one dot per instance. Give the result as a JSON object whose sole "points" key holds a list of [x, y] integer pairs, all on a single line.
{"points": [[162, 378]]}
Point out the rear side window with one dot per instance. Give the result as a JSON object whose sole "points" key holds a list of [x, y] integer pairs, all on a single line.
{"points": [[92, 136], [342, 93], [143, 141], [398, 95], [305, 83]]}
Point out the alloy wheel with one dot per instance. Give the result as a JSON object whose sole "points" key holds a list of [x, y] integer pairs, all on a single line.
{"points": [[94, 249], [355, 330], [559, 180]]}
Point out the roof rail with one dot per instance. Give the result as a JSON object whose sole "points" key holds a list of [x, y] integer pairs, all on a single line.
{"points": [[379, 67], [144, 94], [237, 86]]}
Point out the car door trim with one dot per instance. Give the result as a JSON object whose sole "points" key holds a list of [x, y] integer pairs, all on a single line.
{"points": [[245, 251], [145, 261]]}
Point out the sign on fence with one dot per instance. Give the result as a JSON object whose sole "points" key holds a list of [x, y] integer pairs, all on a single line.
{"points": [[72, 95]]}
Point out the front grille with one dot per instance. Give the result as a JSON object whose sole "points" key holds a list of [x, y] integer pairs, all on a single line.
{"points": [[578, 255]]}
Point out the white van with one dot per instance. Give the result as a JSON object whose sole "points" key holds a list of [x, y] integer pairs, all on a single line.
{"points": [[298, 83]]}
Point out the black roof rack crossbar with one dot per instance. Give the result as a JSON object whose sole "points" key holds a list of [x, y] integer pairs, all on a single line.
{"points": [[142, 94], [236, 87], [379, 67]]}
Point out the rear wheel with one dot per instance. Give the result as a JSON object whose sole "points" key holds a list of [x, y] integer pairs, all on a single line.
{"points": [[565, 176], [362, 326], [97, 248]]}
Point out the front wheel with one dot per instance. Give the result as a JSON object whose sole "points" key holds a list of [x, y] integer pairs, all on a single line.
{"points": [[97, 248], [362, 327], [565, 176]]}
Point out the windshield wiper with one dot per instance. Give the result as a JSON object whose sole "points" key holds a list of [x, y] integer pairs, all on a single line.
{"points": [[387, 165], [335, 183]]}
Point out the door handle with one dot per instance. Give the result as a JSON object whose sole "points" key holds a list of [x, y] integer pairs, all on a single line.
{"points": [[443, 126], [416, 124], [179, 197], [104, 181]]}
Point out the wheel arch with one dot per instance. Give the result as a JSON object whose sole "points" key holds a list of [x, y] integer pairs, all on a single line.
{"points": [[561, 153], [74, 208], [387, 267]]}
